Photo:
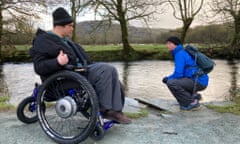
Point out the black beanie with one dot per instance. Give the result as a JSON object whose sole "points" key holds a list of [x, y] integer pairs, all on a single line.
{"points": [[61, 17], [174, 40]]}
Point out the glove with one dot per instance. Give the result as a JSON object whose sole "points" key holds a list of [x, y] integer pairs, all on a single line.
{"points": [[165, 79]]}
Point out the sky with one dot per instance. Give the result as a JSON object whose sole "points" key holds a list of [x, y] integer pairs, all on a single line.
{"points": [[164, 20]]}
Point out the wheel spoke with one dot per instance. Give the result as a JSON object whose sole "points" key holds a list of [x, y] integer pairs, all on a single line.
{"points": [[69, 127]]}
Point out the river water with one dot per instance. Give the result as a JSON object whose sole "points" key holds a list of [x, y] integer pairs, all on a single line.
{"points": [[142, 79]]}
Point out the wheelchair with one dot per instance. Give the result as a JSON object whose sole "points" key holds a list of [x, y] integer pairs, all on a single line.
{"points": [[67, 108]]}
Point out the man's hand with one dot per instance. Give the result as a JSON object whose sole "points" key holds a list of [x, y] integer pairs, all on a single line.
{"points": [[62, 58], [165, 79]]}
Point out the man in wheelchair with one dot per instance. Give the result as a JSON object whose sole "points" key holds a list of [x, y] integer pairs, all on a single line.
{"points": [[51, 51]]}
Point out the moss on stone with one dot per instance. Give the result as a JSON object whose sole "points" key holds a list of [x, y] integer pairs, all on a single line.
{"points": [[142, 113]]}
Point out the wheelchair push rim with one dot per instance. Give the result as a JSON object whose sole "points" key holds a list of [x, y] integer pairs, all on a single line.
{"points": [[64, 118]]}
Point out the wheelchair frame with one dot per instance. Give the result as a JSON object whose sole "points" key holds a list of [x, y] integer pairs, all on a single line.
{"points": [[102, 125]]}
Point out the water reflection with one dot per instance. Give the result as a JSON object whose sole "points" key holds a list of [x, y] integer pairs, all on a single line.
{"points": [[142, 79], [234, 78], [125, 75]]}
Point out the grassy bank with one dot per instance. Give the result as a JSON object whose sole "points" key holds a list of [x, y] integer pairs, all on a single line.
{"points": [[142, 113], [233, 108], [20, 53], [4, 95], [4, 105], [97, 48]]}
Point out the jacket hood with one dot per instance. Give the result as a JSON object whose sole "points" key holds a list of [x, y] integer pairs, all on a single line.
{"points": [[43, 35], [40, 31], [177, 49]]}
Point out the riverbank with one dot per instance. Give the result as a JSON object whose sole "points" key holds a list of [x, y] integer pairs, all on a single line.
{"points": [[233, 108], [108, 53], [4, 95]]}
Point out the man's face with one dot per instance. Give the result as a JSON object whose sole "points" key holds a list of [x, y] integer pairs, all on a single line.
{"points": [[68, 29], [170, 46]]}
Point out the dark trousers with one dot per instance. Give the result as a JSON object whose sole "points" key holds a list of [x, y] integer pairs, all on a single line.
{"points": [[182, 89], [105, 81]]}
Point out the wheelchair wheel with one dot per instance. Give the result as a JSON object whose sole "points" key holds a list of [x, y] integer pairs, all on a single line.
{"points": [[26, 111], [68, 96], [98, 133]]}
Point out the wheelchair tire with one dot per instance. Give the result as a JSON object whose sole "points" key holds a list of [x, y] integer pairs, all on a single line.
{"points": [[59, 127], [98, 133], [21, 111]]}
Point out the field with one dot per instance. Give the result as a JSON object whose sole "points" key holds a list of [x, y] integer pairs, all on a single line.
{"points": [[114, 52], [95, 48]]}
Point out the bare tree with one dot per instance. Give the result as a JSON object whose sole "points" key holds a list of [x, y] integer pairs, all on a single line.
{"points": [[124, 11], [16, 8], [77, 7], [185, 10], [230, 9]]}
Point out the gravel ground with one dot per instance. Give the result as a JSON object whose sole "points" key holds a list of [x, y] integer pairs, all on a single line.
{"points": [[199, 127]]}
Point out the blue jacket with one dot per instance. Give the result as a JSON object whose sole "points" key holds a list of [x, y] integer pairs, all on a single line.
{"points": [[185, 66]]}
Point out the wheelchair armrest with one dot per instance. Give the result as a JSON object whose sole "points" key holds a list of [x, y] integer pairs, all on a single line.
{"points": [[75, 68], [69, 67]]}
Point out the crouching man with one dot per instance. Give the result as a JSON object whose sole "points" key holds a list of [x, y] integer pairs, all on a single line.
{"points": [[184, 83]]}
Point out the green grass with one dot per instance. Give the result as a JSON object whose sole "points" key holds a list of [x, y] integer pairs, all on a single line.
{"points": [[138, 47], [142, 113], [4, 106], [4, 99], [22, 47], [152, 47], [115, 53], [95, 48], [232, 108]]}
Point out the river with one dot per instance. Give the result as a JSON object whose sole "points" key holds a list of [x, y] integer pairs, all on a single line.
{"points": [[142, 79]]}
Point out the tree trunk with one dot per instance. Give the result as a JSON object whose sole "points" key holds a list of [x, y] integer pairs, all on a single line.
{"points": [[236, 37], [127, 49], [234, 50], [105, 34], [1, 32], [74, 16], [185, 28]]}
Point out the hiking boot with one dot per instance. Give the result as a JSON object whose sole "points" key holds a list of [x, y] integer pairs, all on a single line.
{"points": [[118, 117], [197, 96], [191, 107]]}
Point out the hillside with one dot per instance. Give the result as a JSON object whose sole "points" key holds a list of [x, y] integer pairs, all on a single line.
{"points": [[101, 32]]}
